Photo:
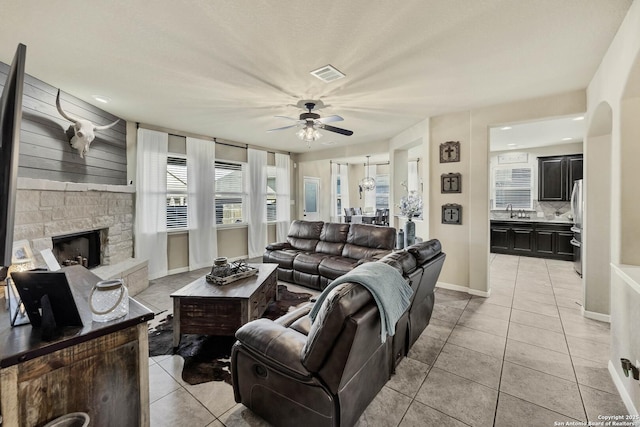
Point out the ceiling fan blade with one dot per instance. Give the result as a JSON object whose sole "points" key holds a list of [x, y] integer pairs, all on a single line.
{"points": [[282, 128], [288, 118], [337, 130], [330, 119]]}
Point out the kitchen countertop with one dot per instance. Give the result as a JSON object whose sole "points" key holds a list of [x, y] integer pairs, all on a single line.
{"points": [[536, 219]]}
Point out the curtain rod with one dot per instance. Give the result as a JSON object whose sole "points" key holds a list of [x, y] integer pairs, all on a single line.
{"points": [[208, 138], [372, 164]]}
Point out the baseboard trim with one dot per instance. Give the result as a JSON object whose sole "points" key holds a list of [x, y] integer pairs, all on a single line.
{"points": [[622, 391], [596, 316], [459, 288]]}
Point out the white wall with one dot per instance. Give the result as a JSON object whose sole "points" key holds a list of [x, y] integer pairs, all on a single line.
{"points": [[467, 245], [616, 84]]}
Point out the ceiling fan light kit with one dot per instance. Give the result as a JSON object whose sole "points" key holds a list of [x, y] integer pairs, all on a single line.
{"points": [[310, 122], [308, 134]]}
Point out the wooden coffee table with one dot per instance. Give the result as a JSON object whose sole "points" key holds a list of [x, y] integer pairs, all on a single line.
{"points": [[204, 308]]}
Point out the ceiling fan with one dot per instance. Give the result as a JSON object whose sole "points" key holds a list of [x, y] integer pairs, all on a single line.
{"points": [[309, 123]]}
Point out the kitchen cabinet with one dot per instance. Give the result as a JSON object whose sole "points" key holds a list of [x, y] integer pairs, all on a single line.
{"points": [[556, 175], [530, 238], [511, 237]]}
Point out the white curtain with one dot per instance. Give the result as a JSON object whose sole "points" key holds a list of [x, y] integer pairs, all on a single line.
{"points": [[335, 215], [370, 196], [151, 201], [283, 196], [257, 205], [344, 186], [203, 237], [413, 179]]}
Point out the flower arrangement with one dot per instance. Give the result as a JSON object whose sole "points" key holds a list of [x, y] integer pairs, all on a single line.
{"points": [[410, 204]]}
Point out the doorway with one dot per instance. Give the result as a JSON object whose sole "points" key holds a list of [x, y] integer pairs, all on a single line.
{"points": [[311, 198], [532, 167]]}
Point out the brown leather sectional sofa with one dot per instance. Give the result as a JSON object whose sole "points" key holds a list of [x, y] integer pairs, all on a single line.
{"points": [[317, 252], [294, 373]]}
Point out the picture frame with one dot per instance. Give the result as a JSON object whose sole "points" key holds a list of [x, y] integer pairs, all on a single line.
{"points": [[451, 183], [452, 214], [450, 152], [21, 252]]}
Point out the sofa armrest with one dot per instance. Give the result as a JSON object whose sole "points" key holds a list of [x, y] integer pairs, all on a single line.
{"points": [[278, 246], [275, 344], [288, 319]]}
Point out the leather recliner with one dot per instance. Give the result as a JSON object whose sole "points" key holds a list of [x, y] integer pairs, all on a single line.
{"points": [[291, 372], [316, 252]]}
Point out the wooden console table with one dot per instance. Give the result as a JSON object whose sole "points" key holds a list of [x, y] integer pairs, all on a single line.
{"points": [[205, 308], [101, 369]]}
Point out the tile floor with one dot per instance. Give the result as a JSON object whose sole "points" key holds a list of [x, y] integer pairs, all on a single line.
{"points": [[523, 357]]}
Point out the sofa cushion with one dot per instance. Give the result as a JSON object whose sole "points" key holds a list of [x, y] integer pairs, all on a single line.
{"points": [[334, 267], [363, 252], [332, 238], [308, 262], [330, 248], [343, 301], [304, 235], [306, 279], [405, 259], [278, 246], [424, 251], [372, 236], [284, 258], [334, 232]]}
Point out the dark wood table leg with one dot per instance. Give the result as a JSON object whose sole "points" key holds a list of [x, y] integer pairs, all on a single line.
{"points": [[176, 322]]}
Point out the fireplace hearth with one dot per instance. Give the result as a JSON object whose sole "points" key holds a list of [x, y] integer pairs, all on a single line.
{"points": [[78, 248]]}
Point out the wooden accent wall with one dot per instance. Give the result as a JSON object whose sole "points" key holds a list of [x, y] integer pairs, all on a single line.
{"points": [[45, 152]]}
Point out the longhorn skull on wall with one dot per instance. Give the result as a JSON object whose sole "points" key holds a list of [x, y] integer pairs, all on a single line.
{"points": [[83, 130]]}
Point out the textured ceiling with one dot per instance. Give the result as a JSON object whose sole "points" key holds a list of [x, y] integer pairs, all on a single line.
{"points": [[225, 68]]}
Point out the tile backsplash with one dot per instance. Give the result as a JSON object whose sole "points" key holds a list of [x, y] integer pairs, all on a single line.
{"points": [[548, 209]]}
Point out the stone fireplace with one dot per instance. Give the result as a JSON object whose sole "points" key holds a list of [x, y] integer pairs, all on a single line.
{"points": [[47, 209], [92, 221]]}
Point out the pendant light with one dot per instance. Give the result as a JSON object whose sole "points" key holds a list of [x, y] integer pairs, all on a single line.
{"points": [[368, 183]]}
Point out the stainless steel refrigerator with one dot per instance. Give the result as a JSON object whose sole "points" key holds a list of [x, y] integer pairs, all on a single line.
{"points": [[577, 210]]}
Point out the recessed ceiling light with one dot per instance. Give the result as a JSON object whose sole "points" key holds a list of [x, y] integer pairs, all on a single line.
{"points": [[578, 118], [328, 73], [101, 98], [567, 139], [328, 143], [512, 145], [505, 128]]}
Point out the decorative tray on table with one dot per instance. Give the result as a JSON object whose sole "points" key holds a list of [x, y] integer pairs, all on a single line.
{"points": [[223, 274]]}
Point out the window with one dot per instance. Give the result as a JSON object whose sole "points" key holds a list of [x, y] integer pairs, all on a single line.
{"points": [[382, 191], [230, 193], [271, 194], [512, 186], [176, 193]]}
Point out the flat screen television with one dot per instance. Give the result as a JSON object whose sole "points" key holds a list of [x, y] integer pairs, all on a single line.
{"points": [[10, 119]]}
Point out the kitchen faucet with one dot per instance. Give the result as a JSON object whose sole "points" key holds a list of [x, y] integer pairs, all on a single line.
{"points": [[510, 209]]}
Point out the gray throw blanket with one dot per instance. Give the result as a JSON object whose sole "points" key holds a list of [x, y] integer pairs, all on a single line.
{"points": [[390, 290]]}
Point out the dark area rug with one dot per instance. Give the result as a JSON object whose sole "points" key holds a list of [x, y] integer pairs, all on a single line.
{"points": [[206, 357]]}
